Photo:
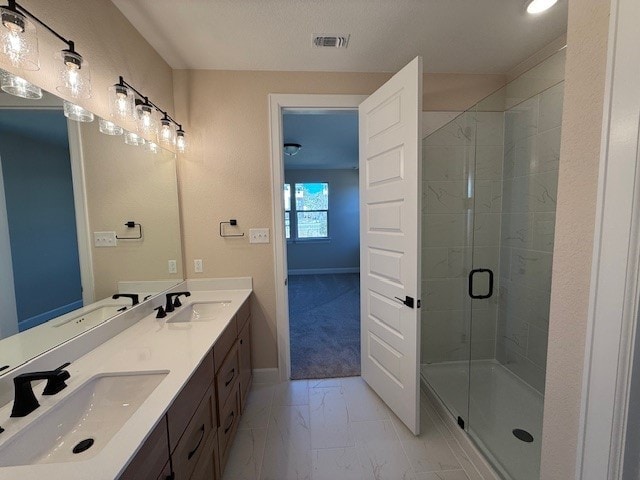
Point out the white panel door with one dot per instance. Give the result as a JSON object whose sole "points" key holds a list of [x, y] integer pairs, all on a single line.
{"points": [[390, 181]]}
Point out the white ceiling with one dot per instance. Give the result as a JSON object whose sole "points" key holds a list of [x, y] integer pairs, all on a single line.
{"points": [[456, 36], [329, 140]]}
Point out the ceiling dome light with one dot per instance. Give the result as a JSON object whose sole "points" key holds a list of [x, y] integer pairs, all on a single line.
{"points": [[109, 128], [539, 6], [121, 102], [291, 149], [74, 78], [19, 87], [77, 113], [18, 40]]}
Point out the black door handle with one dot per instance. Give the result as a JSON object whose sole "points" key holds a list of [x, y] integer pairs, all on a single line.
{"points": [[480, 270], [408, 301]]}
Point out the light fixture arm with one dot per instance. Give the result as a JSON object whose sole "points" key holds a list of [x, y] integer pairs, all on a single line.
{"points": [[123, 83], [16, 7]]}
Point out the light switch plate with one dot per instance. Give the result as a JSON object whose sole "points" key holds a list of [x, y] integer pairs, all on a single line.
{"points": [[197, 265], [105, 239], [258, 235]]}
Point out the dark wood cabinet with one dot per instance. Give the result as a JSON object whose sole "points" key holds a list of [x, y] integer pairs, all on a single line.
{"points": [[192, 441]]}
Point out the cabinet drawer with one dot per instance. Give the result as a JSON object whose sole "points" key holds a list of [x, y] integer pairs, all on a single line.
{"points": [[152, 456], [224, 343], [243, 314], [244, 359], [192, 444], [227, 376], [207, 467], [229, 420], [188, 399]]}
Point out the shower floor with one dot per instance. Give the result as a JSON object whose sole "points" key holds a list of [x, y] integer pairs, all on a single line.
{"points": [[499, 403]]}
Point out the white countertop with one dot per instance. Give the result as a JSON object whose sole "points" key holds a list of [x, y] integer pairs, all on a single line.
{"points": [[149, 345]]}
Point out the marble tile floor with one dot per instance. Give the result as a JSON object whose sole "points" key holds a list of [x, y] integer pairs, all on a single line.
{"points": [[338, 429]]}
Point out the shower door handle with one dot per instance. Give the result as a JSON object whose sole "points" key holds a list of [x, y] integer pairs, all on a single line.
{"points": [[471, 275]]}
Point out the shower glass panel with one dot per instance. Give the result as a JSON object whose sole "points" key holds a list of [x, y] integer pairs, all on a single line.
{"points": [[489, 222], [447, 239]]}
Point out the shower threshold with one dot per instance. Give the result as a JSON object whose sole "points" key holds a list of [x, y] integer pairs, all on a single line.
{"points": [[499, 403]]}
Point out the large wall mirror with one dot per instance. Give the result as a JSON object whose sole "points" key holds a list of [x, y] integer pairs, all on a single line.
{"points": [[84, 216]]}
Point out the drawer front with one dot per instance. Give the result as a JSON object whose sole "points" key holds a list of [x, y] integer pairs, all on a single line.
{"points": [[227, 376], [244, 356], [188, 400], [207, 467], [152, 456], [243, 314], [192, 444], [224, 343], [229, 420]]}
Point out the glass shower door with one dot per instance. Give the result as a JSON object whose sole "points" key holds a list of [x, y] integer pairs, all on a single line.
{"points": [[448, 223]]}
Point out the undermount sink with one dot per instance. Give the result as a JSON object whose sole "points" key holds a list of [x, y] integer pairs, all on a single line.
{"points": [[79, 426], [202, 312]]}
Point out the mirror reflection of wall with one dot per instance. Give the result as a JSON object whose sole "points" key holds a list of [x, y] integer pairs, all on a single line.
{"points": [[41, 226], [61, 181]]}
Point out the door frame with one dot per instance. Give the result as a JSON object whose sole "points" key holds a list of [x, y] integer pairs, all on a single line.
{"points": [[615, 278], [277, 103]]}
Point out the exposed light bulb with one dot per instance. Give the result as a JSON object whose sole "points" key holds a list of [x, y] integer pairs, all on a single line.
{"points": [[147, 119], [167, 132], [539, 6], [121, 101], [181, 141], [73, 77], [18, 40]]}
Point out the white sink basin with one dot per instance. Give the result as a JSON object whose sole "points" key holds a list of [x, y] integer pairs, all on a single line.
{"points": [[88, 319], [93, 414], [202, 312]]}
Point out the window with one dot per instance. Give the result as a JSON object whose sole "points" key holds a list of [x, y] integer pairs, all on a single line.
{"points": [[310, 209]]}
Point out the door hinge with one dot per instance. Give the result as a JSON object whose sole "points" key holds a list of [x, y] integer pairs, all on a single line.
{"points": [[461, 423], [408, 301]]}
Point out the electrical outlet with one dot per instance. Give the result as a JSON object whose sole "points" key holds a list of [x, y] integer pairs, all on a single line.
{"points": [[197, 265], [105, 239], [258, 235], [173, 266]]}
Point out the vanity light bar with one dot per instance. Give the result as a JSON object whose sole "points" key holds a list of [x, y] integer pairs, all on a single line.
{"points": [[168, 130], [19, 43]]}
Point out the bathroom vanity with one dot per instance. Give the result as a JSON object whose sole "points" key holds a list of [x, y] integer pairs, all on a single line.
{"points": [[160, 399]]}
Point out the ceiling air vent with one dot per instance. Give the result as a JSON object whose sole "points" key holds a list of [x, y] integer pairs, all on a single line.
{"points": [[331, 41]]}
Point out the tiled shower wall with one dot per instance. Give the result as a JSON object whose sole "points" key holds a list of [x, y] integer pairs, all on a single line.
{"points": [[452, 189], [503, 166], [531, 154]]}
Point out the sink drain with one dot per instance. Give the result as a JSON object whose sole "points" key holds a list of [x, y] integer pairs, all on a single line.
{"points": [[523, 435], [83, 445]]}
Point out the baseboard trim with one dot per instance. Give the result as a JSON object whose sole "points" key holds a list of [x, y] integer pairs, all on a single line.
{"points": [[265, 375], [323, 271]]}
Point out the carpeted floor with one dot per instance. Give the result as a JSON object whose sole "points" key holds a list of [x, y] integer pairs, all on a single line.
{"points": [[324, 325]]}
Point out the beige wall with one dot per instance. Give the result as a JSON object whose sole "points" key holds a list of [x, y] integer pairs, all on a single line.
{"points": [[227, 173], [579, 158], [129, 183], [111, 45]]}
